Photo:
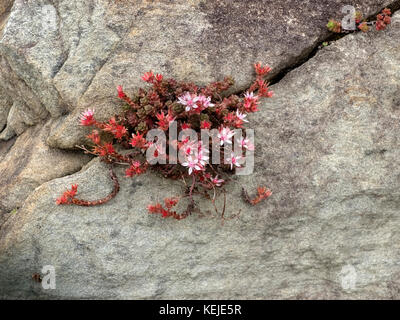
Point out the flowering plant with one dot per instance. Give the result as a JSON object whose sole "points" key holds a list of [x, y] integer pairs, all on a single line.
{"points": [[191, 112]]}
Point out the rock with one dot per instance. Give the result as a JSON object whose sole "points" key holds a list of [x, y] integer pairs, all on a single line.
{"points": [[29, 163], [30, 43], [27, 108], [90, 39], [20, 117], [57, 47], [328, 147]]}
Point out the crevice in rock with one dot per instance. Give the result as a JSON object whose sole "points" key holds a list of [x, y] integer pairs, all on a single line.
{"points": [[41, 114], [311, 52], [5, 146], [60, 63], [102, 64], [65, 53]]}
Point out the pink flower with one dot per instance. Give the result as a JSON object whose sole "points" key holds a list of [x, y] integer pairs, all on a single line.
{"points": [[192, 164], [196, 150], [217, 182], [205, 102], [245, 143], [234, 160], [225, 135], [189, 101], [249, 96], [87, 118], [241, 116]]}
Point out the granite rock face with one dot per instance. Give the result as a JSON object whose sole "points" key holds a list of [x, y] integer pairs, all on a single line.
{"points": [[29, 162], [327, 145]]}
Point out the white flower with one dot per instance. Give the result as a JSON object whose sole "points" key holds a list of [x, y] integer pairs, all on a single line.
{"points": [[202, 158], [205, 101], [189, 100], [225, 135], [87, 117], [250, 96], [88, 113], [245, 143], [234, 160], [192, 164], [241, 116]]}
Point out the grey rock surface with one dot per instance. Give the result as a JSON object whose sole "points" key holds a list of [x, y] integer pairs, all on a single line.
{"points": [[27, 111], [29, 162], [30, 44], [328, 147]]}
